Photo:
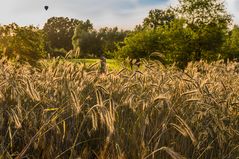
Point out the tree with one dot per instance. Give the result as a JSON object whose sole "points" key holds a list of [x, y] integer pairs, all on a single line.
{"points": [[90, 44], [230, 48], [80, 29], [179, 40], [209, 20], [109, 38], [87, 41], [59, 31], [158, 17], [142, 44], [25, 44], [96, 43], [204, 12]]}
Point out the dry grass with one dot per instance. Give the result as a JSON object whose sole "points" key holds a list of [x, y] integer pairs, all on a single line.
{"points": [[66, 110]]}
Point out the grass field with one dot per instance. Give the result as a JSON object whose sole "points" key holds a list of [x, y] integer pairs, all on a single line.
{"points": [[69, 110], [112, 64]]}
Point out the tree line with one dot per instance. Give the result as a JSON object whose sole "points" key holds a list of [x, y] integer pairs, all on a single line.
{"points": [[60, 36], [194, 30]]}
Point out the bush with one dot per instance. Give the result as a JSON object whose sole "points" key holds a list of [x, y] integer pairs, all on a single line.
{"points": [[141, 44]]}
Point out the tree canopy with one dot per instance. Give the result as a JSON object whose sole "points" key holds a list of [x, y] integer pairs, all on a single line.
{"points": [[158, 17], [59, 31], [22, 43], [191, 31]]}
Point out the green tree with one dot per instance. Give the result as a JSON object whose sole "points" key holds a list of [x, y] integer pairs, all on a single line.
{"points": [[209, 20], [22, 43], [204, 12], [90, 44], [230, 49], [142, 44], [158, 17], [179, 40], [87, 41], [59, 31], [95, 43], [109, 38], [80, 30]]}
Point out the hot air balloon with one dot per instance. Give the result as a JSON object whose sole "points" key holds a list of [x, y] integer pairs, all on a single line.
{"points": [[46, 7]]}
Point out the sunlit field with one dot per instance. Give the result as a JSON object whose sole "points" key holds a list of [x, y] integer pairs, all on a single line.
{"points": [[112, 64], [68, 110]]}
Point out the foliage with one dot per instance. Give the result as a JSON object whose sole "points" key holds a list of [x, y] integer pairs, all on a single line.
{"points": [[192, 31], [109, 37], [200, 13], [58, 52], [195, 30], [80, 29], [24, 44], [68, 110], [95, 43], [174, 41], [141, 44], [88, 42], [180, 43], [59, 32], [158, 17], [209, 20], [230, 48]]}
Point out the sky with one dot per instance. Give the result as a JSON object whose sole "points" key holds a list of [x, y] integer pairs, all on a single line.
{"points": [[125, 14]]}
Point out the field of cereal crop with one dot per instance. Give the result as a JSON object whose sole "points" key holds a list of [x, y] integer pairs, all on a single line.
{"points": [[67, 110]]}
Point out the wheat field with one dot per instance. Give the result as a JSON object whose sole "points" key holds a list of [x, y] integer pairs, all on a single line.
{"points": [[67, 110]]}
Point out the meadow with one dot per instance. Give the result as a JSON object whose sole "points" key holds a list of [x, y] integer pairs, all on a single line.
{"points": [[112, 64], [69, 110]]}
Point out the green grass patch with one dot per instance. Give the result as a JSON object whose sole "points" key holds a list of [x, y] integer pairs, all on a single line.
{"points": [[112, 64]]}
